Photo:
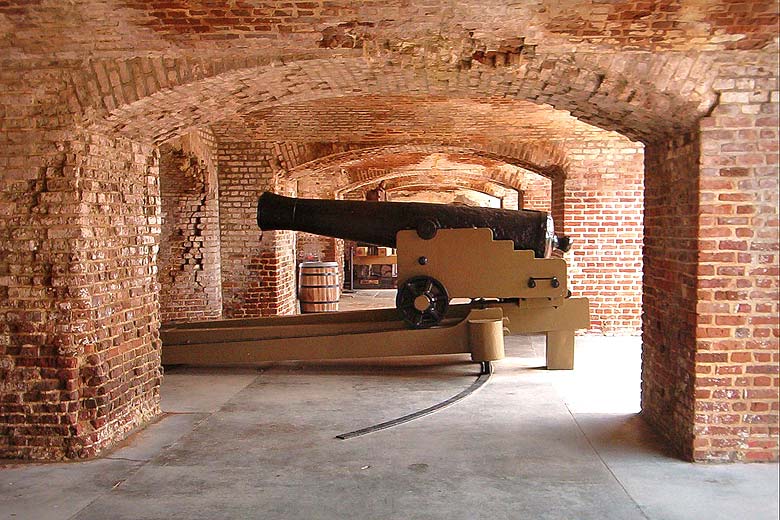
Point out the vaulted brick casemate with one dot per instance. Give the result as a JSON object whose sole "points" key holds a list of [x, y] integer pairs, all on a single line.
{"points": [[135, 138]]}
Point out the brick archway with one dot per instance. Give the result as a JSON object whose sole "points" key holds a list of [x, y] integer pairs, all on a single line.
{"points": [[82, 190], [548, 161], [172, 96]]}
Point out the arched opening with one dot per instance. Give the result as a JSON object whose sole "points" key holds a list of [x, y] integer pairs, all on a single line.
{"points": [[106, 178]]}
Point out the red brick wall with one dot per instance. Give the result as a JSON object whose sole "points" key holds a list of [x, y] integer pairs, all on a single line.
{"points": [[80, 360], [737, 349], [37, 381], [258, 274], [603, 216], [118, 348], [79, 353], [670, 257], [537, 192], [189, 268]]}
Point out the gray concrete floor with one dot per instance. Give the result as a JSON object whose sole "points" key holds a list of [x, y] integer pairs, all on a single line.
{"points": [[259, 443], [367, 299]]}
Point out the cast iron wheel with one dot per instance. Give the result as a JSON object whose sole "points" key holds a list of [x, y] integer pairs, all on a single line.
{"points": [[423, 301]]}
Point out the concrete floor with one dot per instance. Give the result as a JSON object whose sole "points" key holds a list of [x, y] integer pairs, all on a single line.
{"points": [[259, 443]]}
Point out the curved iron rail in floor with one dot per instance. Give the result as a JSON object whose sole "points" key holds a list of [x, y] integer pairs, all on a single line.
{"points": [[484, 377]]}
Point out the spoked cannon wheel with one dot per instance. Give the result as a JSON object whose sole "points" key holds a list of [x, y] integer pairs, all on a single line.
{"points": [[423, 301]]}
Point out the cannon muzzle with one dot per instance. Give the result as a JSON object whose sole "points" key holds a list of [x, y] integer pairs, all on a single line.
{"points": [[378, 222]]}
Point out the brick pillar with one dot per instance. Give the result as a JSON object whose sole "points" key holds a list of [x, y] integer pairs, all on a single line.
{"points": [[115, 315], [737, 355], [81, 352], [189, 269], [669, 289], [40, 400], [258, 268], [79, 228]]}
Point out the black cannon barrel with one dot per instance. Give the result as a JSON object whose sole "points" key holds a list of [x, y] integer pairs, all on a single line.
{"points": [[378, 222]]}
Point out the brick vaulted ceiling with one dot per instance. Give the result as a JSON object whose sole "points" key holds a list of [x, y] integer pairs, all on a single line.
{"points": [[361, 168], [409, 119], [405, 71], [103, 26]]}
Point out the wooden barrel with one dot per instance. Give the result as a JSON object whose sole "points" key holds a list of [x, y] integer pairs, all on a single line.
{"points": [[319, 286]]}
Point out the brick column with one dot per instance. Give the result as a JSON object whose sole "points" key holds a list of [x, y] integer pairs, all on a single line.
{"points": [[258, 268], [669, 288], [79, 228], [737, 355], [115, 316], [189, 267]]}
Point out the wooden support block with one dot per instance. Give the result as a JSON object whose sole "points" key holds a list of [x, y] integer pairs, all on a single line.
{"points": [[560, 350], [486, 338]]}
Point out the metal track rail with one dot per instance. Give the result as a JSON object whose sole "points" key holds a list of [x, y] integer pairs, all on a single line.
{"points": [[484, 377]]}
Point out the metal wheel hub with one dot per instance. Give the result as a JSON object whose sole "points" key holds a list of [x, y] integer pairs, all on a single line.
{"points": [[423, 301]]}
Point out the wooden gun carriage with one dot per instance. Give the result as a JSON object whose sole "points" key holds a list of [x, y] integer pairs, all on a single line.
{"points": [[499, 259]]}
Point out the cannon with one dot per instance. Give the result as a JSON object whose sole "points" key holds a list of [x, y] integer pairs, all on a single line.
{"points": [[498, 259], [444, 251], [378, 223]]}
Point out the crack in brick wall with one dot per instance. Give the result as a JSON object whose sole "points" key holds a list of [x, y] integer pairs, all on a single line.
{"points": [[189, 266]]}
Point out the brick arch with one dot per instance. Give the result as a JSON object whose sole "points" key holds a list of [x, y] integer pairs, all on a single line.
{"points": [[404, 181], [546, 159], [158, 98], [451, 193]]}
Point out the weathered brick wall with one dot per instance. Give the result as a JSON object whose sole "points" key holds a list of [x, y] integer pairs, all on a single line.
{"points": [[603, 216], [670, 263], [114, 252], [256, 269], [737, 350], [189, 270], [537, 192], [388, 73], [79, 352], [39, 367]]}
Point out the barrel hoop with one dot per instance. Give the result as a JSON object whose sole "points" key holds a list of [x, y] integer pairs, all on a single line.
{"points": [[318, 286], [317, 303], [319, 274]]}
